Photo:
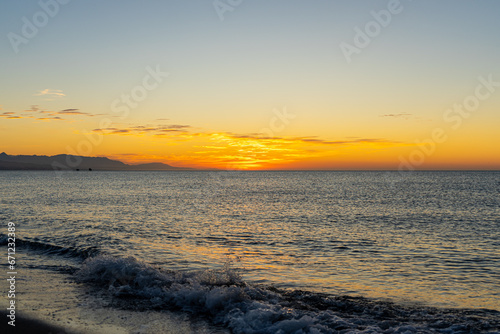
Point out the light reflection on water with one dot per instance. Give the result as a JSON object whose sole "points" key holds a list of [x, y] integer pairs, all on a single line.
{"points": [[432, 237]]}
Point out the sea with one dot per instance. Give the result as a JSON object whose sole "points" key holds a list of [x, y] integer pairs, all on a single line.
{"points": [[255, 251]]}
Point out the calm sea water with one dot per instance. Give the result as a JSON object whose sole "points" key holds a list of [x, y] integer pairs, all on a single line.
{"points": [[424, 240]]}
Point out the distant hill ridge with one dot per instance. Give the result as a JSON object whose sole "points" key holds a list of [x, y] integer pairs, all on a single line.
{"points": [[73, 162]]}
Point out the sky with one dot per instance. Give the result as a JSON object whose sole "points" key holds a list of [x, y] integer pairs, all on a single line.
{"points": [[254, 84]]}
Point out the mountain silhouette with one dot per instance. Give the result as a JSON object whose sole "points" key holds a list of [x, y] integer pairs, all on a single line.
{"points": [[74, 162]]}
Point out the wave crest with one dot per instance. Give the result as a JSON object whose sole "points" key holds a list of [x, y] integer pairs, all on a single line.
{"points": [[51, 249], [227, 300]]}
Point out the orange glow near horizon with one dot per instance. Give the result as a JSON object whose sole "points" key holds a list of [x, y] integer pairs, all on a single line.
{"points": [[187, 146], [228, 151]]}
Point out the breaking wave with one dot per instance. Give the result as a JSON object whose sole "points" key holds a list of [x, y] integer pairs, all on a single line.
{"points": [[225, 299]]}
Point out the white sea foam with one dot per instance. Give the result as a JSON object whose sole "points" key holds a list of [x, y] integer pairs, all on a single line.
{"points": [[223, 297]]}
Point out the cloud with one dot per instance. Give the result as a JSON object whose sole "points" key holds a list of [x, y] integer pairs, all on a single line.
{"points": [[51, 93], [74, 112], [171, 130], [246, 150], [12, 115], [308, 140], [160, 130], [345, 142], [33, 108], [111, 131], [396, 115], [49, 118], [40, 114], [177, 126], [182, 132]]}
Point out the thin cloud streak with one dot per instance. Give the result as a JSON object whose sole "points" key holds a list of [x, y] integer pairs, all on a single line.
{"points": [[51, 93], [47, 115], [397, 115]]}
